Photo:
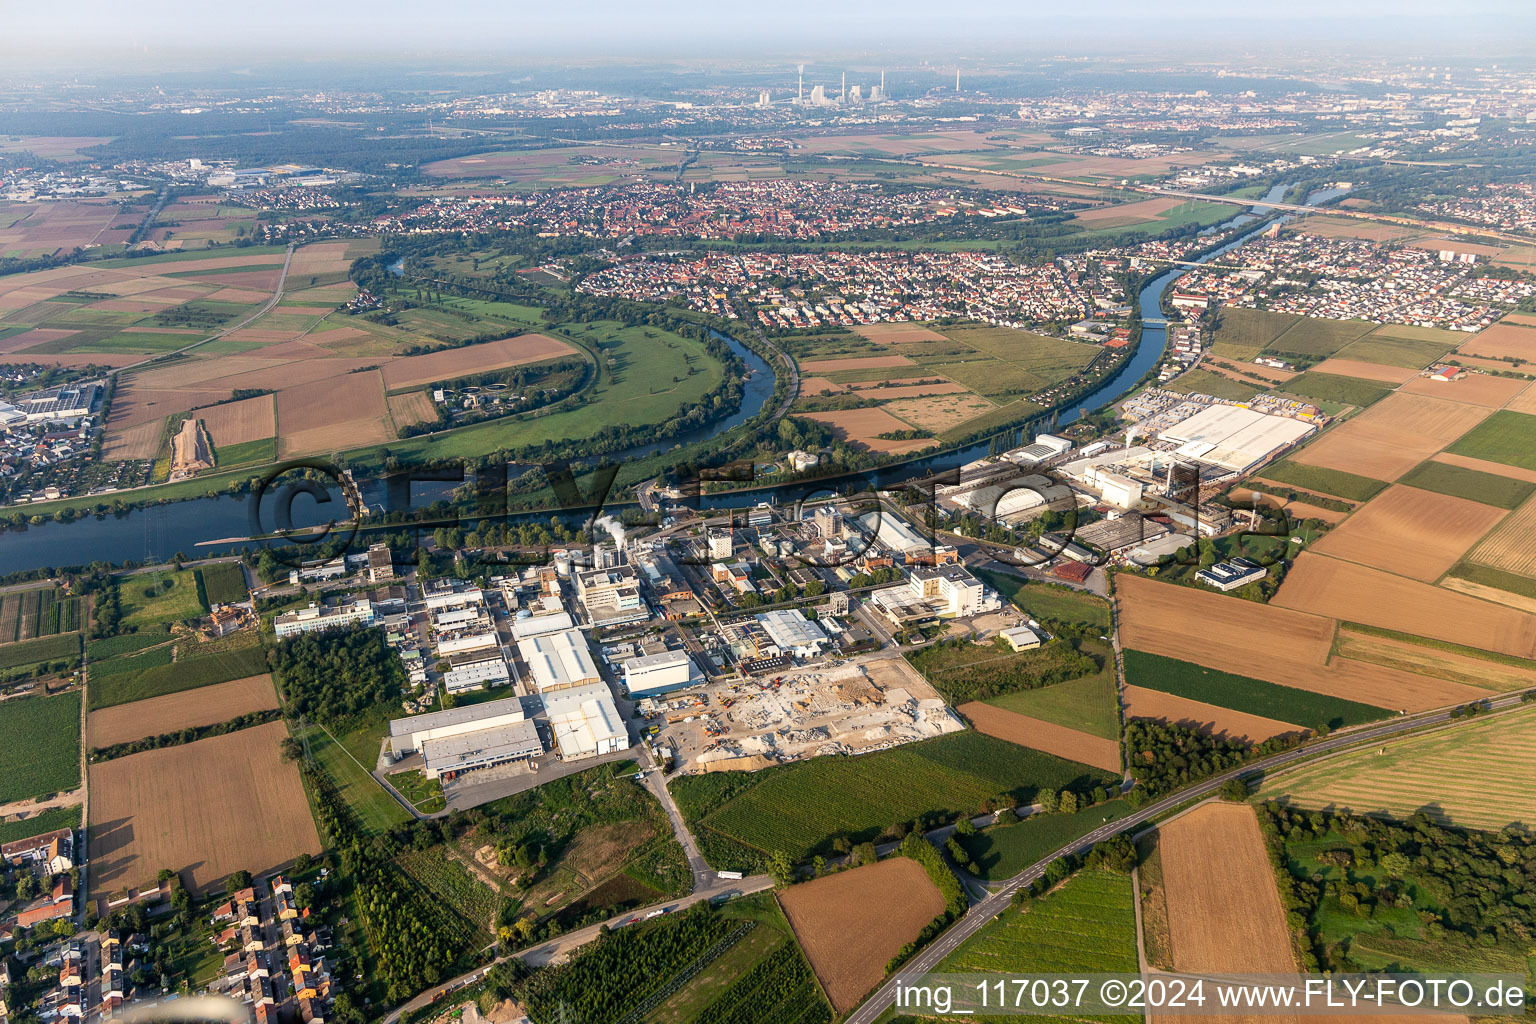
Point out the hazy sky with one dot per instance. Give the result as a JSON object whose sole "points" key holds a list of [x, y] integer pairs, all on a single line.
{"points": [[698, 27]]}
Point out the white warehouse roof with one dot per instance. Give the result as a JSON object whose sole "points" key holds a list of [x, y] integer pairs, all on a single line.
{"points": [[1233, 437], [585, 721], [559, 660]]}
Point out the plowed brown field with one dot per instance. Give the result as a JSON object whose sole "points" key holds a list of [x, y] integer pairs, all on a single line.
{"points": [[1504, 340], [250, 419], [174, 711], [206, 809], [864, 425], [1471, 388], [1411, 532], [1047, 736], [854, 363], [1484, 466], [1368, 371], [457, 362], [1392, 436], [851, 923]]}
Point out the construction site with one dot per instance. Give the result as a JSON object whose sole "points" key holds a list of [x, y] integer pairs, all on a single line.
{"points": [[191, 450], [836, 708]]}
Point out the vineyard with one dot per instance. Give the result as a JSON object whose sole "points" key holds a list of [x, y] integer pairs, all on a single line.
{"points": [[39, 746], [185, 673], [778, 988], [800, 808], [1087, 925], [28, 614], [223, 583], [453, 884], [65, 647]]}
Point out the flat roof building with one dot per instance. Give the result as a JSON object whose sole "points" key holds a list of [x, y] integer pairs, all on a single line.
{"points": [[792, 633], [462, 739], [585, 721], [659, 673], [317, 617], [559, 660]]}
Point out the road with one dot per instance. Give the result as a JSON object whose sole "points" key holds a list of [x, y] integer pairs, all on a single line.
{"points": [[981, 913], [703, 875]]}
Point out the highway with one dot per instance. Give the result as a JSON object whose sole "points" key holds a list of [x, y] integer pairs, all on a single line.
{"points": [[981, 913]]}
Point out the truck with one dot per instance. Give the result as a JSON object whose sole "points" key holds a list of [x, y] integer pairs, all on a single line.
{"points": [[729, 874]]}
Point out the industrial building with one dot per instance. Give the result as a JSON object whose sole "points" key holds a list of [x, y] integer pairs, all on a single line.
{"points": [[528, 625], [1231, 575], [951, 589], [559, 661], [611, 596], [1233, 437], [461, 739], [475, 669], [585, 721], [893, 533], [651, 674], [792, 633], [1021, 638]]}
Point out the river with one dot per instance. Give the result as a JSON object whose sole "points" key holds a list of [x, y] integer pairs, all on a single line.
{"points": [[203, 527]]}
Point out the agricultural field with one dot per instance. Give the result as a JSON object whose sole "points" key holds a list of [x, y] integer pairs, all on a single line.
{"points": [[154, 599], [1319, 386], [1482, 389], [1276, 644], [1450, 662], [375, 810], [1328, 482], [799, 808], [1086, 925], [31, 654], [223, 583], [189, 671], [1328, 587], [1037, 734], [1472, 484], [1511, 547], [1360, 370], [1507, 339], [1391, 346], [47, 229], [1504, 437], [1087, 705], [851, 923], [37, 612], [206, 809], [1211, 719], [1002, 851], [1392, 437], [173, 712], [1223, 911], [39, 746], [1201, 381], [48, 820], [1411, 532], [1249, 696], [1474, 775]]}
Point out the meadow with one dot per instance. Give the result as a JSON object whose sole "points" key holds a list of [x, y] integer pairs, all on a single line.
{"points": [[157, 598], [1331, 387], [223, 583], [1250, 696], [1049, 602], [1002, 851], [1089, 704], [800, 808], [39, 746], [375, 810]]}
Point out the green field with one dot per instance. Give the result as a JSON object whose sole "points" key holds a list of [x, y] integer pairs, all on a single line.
{"points": [[39, 746], [1505, 437], [636, 386], [1087, 925], [186, 673], [453, 885], [426, 795], [1495, 578], [799, 808], [49, 820], [1315, 338], [1204, 382], [111, 646], [1395, 351], [1250, 696], [377, 812], [37, 612], [1331, 387], [1090, 704], [224, 583], [1475, 775], [962, 671], [1472, 484], [1244, 333], [247, 453], [132, 662], [1326, 481], [156, 599], [1049, 602], [61, 647], [1002, 851]]}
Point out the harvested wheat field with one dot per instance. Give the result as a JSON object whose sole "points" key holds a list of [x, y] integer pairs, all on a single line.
{"points": [[1392, 436], [343, 411], [250, 419], [411, 408], [1482, 673], [1268, 642], [458, 362], [1411, 532], [205, 809], [1476, 775], [1294, 509], [851, 923], [1141, 702], [1046, 736], [894, 391], [939, 413], [1127, 213], [863, 426], [1224, 912], [1525, 401], [1368, 371], [854, 363], [141, 441], [1487, 593], [820, 385], [1472, 388], [173, 712], [1511, 547], [1327, 586], [1504, 340], [895, 334]]}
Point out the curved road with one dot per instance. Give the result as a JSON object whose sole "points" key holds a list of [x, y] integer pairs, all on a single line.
{"points": [[981, 913]]}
